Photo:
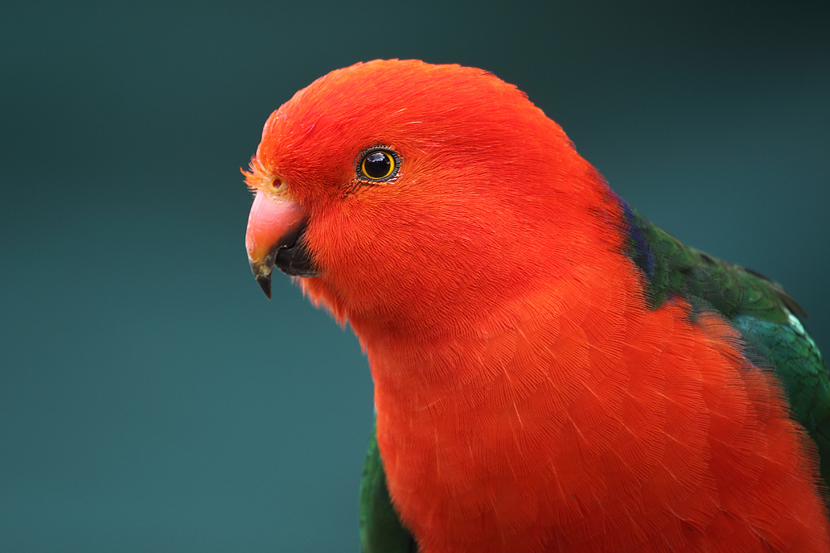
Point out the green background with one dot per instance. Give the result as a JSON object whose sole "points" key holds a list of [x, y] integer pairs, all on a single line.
{"points": [[151, 399]]}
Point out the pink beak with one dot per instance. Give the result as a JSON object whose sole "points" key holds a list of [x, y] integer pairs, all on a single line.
{"points": [[273, 225]]}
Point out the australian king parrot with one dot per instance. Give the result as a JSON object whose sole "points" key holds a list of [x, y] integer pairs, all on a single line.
{"points": [[552, 372]]}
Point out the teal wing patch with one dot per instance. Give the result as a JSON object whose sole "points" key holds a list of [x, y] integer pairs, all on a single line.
{"points": [[381, 530], [797, 363]]}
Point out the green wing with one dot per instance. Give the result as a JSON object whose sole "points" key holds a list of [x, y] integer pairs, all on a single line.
{"points": [[380, 529], [757, 307]]}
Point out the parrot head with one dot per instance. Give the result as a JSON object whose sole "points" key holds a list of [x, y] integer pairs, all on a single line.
{"points": [[402, 193]]}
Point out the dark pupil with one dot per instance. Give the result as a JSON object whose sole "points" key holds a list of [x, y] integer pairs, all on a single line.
{"points": [[377, 165]]}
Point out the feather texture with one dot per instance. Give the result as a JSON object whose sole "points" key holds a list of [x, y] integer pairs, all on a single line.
{"points": [[552, 372]]}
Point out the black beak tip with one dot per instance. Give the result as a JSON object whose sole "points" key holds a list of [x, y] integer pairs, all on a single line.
{"points": [[264, 282]]}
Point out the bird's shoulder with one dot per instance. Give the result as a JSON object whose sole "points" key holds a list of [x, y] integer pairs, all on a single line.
{"points": [[768, 319]]}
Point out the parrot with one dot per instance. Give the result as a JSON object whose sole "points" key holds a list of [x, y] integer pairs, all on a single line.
{"points": [[552, 372]]}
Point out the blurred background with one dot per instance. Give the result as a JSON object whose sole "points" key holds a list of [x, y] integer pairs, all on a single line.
{"points": [[151, 399]]}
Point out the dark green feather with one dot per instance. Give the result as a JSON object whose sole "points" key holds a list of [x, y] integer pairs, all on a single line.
{"points": [[673, 268], [380, 529]]}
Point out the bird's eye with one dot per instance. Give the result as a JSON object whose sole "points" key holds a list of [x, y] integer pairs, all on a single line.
{"points": [[378, 165]]}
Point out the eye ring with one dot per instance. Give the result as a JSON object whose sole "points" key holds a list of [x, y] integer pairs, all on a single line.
{"points": [[378, 165]]}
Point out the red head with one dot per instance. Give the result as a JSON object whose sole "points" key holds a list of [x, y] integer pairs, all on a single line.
{"points": [[485, 195]]}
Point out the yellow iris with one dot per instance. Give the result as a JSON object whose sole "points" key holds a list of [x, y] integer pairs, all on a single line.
{"points": [[378, 165]]}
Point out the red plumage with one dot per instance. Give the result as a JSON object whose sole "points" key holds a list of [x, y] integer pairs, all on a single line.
{"points": [[527, 398]]}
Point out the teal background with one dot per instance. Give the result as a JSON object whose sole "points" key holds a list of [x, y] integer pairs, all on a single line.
{"points": [[151, 399]]}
